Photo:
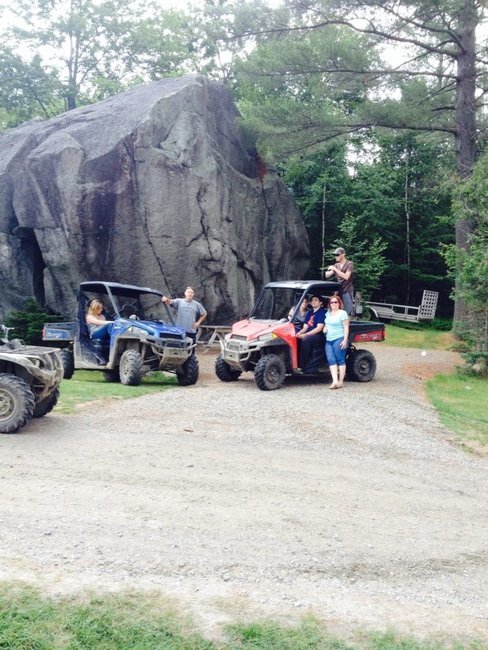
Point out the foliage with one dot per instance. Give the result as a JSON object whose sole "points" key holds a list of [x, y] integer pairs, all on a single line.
{"points": [[292, 90], [27, 89], [323, 71], [470, 266], [88, 386], [84, 50], [321, 184], [399, 195], [369, 261], [222, 31], [29, 321], [461, 401], [393, 199], [329, 71]]}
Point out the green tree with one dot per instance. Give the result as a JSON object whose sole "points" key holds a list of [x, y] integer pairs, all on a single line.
{"points": [[224, 30], [440, 78], [93, 49], [320, 183], [370, 263], [471, 267], [29, 321], [27, 89]]}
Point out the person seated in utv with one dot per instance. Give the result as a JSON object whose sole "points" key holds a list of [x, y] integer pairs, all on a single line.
{"points": [[302, 313], [312, 337], [98, 326]]}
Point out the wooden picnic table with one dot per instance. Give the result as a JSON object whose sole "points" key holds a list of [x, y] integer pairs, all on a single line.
{"points": [[211, 335]]}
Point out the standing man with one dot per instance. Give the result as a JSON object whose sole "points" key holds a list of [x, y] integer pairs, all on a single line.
{"points": [[343, 270], [190, 314]]}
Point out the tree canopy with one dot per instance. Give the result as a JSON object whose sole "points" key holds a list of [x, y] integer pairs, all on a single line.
{"points": [[373, 110]]}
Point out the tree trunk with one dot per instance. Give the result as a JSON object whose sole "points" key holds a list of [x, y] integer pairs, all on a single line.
{"points": [[407, 256], [465, 119]]}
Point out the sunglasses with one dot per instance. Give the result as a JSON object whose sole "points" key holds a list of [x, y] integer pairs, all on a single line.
{"points": [[334, 302]]}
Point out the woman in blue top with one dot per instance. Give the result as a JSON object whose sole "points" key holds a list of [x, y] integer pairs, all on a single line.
{"points": [[337, 334]]}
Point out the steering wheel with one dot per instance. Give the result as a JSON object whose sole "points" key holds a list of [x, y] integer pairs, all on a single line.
{"points": [[128, 310]]}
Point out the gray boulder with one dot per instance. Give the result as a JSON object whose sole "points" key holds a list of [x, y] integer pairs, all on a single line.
{"points": [[153, 187]]}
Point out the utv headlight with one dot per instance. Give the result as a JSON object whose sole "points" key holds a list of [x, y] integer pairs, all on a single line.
{"points": [[267, 337]]}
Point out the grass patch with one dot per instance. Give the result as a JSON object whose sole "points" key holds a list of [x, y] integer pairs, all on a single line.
{"points": [[462, 403], [425, 338], [135, 621], [87, 386]]}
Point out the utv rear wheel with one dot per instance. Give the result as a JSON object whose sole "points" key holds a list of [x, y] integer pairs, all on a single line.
{"points": [[16, 403], [270, 372], [360, 365], [68, 361], [187, 374], [131, 368], [224, 372], [46, 406]]}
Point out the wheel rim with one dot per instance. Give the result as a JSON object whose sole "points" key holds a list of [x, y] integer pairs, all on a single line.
{"points": [[364, 367], [7, 405], [273, 373]]}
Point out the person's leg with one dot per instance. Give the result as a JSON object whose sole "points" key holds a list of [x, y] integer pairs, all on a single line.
{"points": [[335, 376], [348, 303], [102, 331], [340, 358], [331, 360], [315, 353], [340, 355], [305, 348]]}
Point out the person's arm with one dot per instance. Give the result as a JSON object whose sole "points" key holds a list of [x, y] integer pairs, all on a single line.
{"points": [[345, 275], [330, 271], [303, 331], [345, 340], [317, 329], [197, 323], [168, 301]]}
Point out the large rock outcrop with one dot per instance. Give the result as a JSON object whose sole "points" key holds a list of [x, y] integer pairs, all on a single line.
{"points": [[153, 187]]}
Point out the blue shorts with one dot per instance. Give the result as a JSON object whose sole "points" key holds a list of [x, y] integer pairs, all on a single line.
{"points": [[336, 356]]}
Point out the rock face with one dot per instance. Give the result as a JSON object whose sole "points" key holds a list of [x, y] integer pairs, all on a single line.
{"points": [[153, 187]]}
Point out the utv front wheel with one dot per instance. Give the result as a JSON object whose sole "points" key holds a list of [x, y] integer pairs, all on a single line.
{"points": [[187, 374], [46, 406], [224, 372], [270, 372], [16, 403], [360, 365], [68, 361], [131, 368]]}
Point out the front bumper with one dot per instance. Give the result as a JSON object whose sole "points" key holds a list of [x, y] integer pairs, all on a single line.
{"points": [[238, 353]]}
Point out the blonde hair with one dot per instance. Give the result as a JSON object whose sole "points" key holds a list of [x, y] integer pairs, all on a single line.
{"points": [[94, 304]]}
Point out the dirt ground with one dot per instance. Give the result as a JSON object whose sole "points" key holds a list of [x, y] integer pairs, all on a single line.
{"points": [[355, 505]]}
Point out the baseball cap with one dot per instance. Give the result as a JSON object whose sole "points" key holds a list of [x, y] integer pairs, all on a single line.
{"points": [[339, 250]]}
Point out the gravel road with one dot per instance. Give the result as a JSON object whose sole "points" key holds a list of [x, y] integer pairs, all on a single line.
{"points": [[355, 504]]}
